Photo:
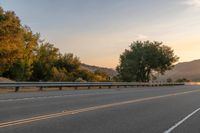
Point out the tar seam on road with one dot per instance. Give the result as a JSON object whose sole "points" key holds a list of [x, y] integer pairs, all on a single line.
{"points": [[72, 112], [182, 121]]}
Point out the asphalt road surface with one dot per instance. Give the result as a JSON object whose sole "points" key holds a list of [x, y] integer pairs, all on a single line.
{"points": [[125, 110]]}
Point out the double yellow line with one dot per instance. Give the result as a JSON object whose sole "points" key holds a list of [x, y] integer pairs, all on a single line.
{"points": [[72, 112]]}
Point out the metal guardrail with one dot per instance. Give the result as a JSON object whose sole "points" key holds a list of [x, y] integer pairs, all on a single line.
{"points": [[41, 85]]}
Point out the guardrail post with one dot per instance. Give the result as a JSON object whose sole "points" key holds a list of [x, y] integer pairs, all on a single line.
{"points": [[109, 86], [99, 87], [17, 89], [60, 88], [88, 87], [41, 88]]}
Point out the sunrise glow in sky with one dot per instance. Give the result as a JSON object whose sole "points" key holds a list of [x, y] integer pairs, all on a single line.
{"points": [[98, 31]]}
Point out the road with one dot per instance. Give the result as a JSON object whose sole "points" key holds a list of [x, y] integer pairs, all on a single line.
{"points": [[125, 110]]}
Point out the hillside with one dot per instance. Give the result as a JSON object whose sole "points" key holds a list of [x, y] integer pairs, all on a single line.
{"points": [[111, 72], [188, 70]]}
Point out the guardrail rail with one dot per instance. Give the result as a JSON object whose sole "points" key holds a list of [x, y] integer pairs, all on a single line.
{"points": [[41, 85]]}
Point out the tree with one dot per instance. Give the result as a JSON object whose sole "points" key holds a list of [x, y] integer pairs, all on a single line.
{"points": [[19, 71], [143, 59], [101, 76], [30, 44], [11, 39], [85, 75], [69, 62], [46, 56], [25, 57], [58, 74], [182, 80], [17, 47]]}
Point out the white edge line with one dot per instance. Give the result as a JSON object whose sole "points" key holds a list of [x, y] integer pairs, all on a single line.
{"points": [[180, 122]]}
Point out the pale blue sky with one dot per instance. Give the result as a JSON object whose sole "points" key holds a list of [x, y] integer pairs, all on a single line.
{"points": [[98, 31]]}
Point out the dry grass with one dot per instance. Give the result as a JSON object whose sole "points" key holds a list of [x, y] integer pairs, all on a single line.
{"points": [[2, 79], [36, 89], [5, 90]]}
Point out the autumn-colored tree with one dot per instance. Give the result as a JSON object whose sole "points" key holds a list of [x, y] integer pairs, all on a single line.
{"points": [[24, 57], [101, 76], [11, 39], [17, 47]]}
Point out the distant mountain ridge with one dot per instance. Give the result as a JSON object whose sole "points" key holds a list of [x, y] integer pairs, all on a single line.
{"points": [[111, 72], [189, 70]]}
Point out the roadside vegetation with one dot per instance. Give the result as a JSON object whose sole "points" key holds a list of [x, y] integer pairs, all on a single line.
{"points": [[144, 60], [24, 56]]}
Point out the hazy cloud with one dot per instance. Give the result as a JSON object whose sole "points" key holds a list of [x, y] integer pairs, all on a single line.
{"points": [[141, 37], [192, 3]]}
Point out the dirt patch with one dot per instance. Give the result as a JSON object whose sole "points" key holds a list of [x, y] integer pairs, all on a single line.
{"points": [[36, 89], [2, 79]]}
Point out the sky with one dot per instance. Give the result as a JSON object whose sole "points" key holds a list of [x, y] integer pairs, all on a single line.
{"points": [[98, 31]]}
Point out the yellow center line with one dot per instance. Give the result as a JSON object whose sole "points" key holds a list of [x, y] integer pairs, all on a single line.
{"points": [[66, 113]]}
